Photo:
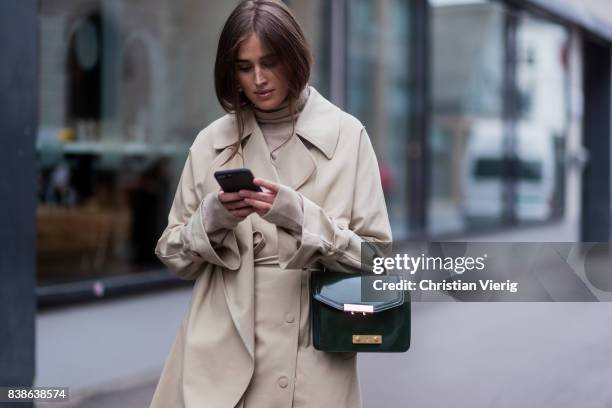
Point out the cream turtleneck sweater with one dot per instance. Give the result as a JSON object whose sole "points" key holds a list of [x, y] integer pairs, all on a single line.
{"points": [[277, 125]]}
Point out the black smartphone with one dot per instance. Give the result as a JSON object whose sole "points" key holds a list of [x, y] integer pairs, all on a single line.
{"points": [[235, 180]]}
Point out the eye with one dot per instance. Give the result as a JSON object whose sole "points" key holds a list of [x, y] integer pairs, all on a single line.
{"points": [[244, 67], [270, 63]]}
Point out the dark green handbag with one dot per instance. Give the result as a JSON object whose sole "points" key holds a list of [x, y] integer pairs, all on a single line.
{"points": [[341, 322]]}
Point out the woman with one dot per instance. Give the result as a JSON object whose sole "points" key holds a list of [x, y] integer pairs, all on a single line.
{"points": [[245, 340]]}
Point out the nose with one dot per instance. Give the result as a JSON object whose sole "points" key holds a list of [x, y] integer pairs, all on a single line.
{"points": [[260, 78]]}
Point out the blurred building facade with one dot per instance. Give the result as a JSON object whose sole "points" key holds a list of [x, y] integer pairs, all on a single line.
{"points": [[478, 111]]}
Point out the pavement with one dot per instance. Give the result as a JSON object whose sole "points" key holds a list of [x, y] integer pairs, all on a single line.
{"points": [[108, 347], [477, 354], [497, 355], [129, 392]]}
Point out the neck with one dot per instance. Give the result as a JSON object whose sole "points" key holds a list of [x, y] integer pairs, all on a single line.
{"points": [[282, 113]]}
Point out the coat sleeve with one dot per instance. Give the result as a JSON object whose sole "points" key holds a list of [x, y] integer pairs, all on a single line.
{"points": [[190, 242], [321, 238]]}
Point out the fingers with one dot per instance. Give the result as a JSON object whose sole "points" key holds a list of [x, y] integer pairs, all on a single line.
{"points": [[235, 205], [260, 206], [267, 184], [245, 202], [228, 197], [261, 202], [254, 195]]}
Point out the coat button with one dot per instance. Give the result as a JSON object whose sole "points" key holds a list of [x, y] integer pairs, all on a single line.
{"points": [[289, 318], [283, 382]]}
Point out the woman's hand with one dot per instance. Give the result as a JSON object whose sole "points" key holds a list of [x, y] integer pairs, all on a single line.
{"points": [[235, 204], [261, 202]]}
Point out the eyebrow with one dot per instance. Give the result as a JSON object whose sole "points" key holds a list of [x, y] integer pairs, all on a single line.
{"points": [[262, 58]]}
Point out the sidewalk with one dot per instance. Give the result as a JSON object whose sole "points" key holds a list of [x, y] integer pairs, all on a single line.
{"points": [[133, 393], [117, 347], [491, 354]]}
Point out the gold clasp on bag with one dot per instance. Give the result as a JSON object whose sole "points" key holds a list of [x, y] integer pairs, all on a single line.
{"points": [[367, 339]]}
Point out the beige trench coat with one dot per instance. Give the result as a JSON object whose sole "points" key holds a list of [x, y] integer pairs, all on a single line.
{"points": [[333, 167]]}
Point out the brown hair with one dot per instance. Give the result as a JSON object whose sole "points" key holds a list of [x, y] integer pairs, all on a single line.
{"points": [[277, 28]]}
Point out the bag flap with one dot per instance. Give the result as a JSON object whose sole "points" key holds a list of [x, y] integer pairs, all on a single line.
{"points": [[337, 289]]}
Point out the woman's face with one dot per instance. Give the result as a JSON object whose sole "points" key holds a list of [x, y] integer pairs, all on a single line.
{"points": [[258, 71]]}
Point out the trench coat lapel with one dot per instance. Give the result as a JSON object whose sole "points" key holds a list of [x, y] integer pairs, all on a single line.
{"points": [[257, 155], [317, 126], [295, 164]]}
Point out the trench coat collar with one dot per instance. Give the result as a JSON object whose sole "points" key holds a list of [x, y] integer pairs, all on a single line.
{"points": [[294, 164], [318, 123]]}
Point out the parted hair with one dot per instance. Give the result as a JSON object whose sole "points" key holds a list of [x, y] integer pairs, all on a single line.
{"points": [[275, 25]]}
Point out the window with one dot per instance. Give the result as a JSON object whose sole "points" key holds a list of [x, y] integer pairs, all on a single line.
{"points": [[466, 135], [542, 89], [124, 89], [499, 116], [378, 92]]}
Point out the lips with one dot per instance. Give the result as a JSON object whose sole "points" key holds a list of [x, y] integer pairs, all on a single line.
{"points": [[264, 93]]}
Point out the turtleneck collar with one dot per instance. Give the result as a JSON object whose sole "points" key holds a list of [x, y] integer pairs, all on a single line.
{"points": [[282, 114]]}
